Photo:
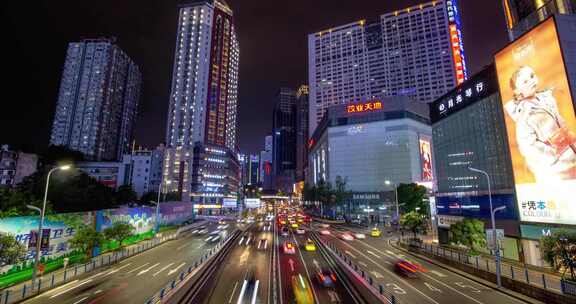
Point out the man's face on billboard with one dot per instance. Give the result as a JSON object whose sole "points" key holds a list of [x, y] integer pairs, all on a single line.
{"points": [[525, 82]]}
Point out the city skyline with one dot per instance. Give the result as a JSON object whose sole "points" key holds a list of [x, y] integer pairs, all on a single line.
{"points": [[152, 48]]}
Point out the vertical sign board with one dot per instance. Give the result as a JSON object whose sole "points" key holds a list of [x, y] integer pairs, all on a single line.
{"points": [[541, 126], [426, 159], [456, 41]]}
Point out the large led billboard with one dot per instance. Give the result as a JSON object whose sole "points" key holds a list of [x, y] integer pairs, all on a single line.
{"points": [[541, 126], [426, 159]]}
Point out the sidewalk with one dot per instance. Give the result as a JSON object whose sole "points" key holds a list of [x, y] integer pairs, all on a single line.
{"points": [[24, 290]]}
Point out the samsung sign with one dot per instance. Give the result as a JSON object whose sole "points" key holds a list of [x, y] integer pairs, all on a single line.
{"points": [[477, 88]]}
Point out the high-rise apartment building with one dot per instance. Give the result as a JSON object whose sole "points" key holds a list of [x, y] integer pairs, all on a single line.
{"points": [[284, 140], [301, 132], [415, 52], [98, 99], [203, 103], [522, 15], [266, 163]]}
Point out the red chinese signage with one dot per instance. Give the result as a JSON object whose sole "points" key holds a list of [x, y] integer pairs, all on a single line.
{"points": [[364, 107], [456, 47]]}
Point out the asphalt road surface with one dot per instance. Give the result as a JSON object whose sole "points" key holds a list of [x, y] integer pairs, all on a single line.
{"points": [[134, 279]]}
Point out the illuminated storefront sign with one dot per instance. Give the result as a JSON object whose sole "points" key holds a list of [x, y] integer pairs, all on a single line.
{"points": [[456, 41], [541, 126], [477, 88], [199, 206], [364, 107], [426, 159], [229, 203], [252, 203]]}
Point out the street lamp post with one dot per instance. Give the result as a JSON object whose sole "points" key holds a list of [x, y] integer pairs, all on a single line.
{"points": [[158, 204], [493, 220], [387, 182], [42, 213]]}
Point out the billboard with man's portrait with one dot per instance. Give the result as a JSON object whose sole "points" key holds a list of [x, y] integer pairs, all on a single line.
{"points": [[540, 124]]}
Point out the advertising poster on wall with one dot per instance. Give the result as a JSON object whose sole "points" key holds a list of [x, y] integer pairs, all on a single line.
{"points": [[541, 126], [229, 203], [426, 159], [252, 203]]}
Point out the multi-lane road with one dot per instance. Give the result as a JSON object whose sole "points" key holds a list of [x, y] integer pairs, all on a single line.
{"points": [[134, 279], [255, 268]]}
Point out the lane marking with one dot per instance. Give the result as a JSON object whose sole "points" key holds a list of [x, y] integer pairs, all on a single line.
{"points": [[350, 254], [376, 274], [176, 269], [242, 291], [467, 286], [138, 268], [438, 273], [147, 269], [255, 292], [163, 268], [362, 264], [67, 290], [61, 287], [117, 269], [180, 247], [233, 291], [372, 253], [98, 291], [84, 298], [432, 287], [393, 275]]}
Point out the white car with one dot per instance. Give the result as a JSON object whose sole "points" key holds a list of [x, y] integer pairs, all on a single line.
{"points": [[324, 225], [360, 236], [324, 232], [347, 237], [300, 231]]}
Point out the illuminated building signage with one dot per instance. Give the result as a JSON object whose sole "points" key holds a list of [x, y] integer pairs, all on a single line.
{"points": [[364, 107], [426, 159], [198, 206], [477, 88], [456, 41]]}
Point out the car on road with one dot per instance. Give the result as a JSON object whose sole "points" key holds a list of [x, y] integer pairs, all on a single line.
{"points": [[326, 277], [221, 222], [325, 232], [284, 231], [301, 289], [347, 236], [408, 268], [360, 236], [375, 232], [294, 226], [309, 245], [300, 231], [263, 244], [289, 248], [323, 225]]}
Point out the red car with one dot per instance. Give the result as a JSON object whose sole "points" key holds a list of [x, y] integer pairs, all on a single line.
{"points": [[408, 268], [289, 248]]}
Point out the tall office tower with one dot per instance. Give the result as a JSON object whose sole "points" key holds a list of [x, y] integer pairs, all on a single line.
{"points": [[284, 140], [301, 132], [522, 15], [254, 169], [266, 164], [98, 99], [203, 103], [415, 52]]}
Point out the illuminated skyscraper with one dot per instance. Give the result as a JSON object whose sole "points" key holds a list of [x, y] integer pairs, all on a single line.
{"points": [[522, 15], [98, 99], [201, 160], [415, 52]]}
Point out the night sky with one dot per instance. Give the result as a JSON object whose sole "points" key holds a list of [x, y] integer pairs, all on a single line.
{"points": [[273, 53]]}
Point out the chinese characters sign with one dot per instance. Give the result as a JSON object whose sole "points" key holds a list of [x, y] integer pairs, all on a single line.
{"points": [[478, 87], [364, 107], [456, 41]]}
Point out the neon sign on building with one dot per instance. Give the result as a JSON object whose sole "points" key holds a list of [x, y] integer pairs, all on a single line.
{"points": [[456, 41], [364, 107]]}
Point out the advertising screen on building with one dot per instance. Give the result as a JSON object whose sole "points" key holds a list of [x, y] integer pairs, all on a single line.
{"points": [[252, 203], [426, 159], [229, 203], [541, 125]]}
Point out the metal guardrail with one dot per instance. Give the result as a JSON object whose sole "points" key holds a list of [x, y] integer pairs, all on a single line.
{"points": [[520, 274], [175, 284]]}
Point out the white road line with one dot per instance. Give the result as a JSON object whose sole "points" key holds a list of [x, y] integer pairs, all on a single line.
{"points": [[163, 268], [255, 292], [131, 271], [350, 254], [84, 298], [242, 291], [67, 290], [117, 269], [372, 253], [394, 275], [438, 273], [362, 264], [61, 287], [440, 282], [147, 269], [233, 291], [176, 269], [98, 291], [180, 247]]}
